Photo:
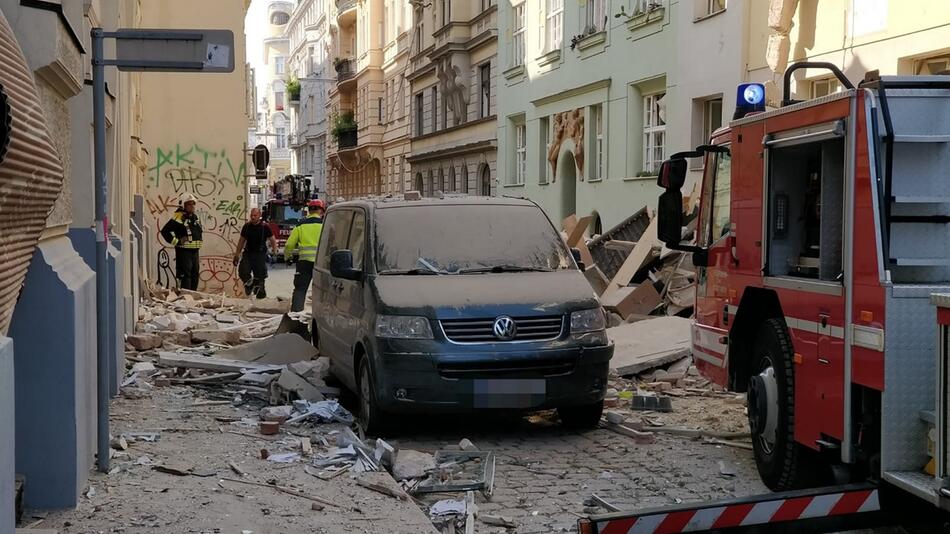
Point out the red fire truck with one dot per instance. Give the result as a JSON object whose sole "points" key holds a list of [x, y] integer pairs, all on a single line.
{"points": [[287, 205], [822, 250]]}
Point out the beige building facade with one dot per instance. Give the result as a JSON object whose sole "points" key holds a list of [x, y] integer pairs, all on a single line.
{"points": [[452, 72], [368, 109]]}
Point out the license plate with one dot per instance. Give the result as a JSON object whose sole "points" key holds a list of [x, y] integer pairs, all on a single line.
{"points": [[509, 393]]}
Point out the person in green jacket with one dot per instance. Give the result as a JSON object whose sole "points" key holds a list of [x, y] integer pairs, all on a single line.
{"points": [[304, 238]]}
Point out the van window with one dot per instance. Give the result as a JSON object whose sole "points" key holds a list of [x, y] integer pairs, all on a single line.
{"points": [[336, 230], [463, 239], [358, 239]]}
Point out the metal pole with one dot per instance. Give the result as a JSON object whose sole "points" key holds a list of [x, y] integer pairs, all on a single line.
{"points": [[102, 262]]}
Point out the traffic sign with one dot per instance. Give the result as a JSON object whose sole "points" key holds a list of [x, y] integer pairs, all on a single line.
{"points": [[255, 190], [174, 50]]}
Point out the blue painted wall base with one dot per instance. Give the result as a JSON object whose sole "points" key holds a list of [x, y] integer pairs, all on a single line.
{"points": [[54, 329], [7, 440]]}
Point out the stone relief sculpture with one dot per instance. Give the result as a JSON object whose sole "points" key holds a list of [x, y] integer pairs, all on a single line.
{"points": [[568, 125], [453, 89]]}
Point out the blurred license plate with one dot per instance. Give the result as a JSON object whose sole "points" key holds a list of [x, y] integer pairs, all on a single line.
{"points": [[509, 393]]}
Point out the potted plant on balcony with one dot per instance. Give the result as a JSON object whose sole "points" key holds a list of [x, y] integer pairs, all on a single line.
{"points": [[293, 90], [339, 64], [344, 129]]}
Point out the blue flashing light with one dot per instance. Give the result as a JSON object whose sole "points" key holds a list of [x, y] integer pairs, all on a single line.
{"points": [[753, 93]]}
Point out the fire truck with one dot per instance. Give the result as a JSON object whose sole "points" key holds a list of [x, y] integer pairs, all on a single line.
{"points": [[287, 205], [822, 248]]}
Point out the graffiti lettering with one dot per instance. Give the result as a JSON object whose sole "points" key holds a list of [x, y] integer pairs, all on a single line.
{"points": [[193, 180], [229, 207]]}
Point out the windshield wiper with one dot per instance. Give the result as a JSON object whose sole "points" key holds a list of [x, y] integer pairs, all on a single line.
{"points": [[504, 269], [411, 272]]}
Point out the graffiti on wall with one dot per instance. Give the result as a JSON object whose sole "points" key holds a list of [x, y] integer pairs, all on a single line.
{"points": [[216, 178]]}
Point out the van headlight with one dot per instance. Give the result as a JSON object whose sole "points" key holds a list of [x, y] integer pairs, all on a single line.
{"points": [[585, 321], [403, 327]]}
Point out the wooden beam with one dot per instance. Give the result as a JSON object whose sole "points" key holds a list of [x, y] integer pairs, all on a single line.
{"points": [[638, 258]]}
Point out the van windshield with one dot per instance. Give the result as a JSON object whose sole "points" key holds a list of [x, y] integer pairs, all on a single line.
{"points": [[467, 239]]}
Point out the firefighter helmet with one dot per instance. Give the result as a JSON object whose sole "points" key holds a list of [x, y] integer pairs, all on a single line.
{"points": [[189, 198], [317, 204]]}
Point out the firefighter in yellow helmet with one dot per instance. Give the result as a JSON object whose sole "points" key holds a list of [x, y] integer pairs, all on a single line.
{"points": [[183, 231], [304, 238]]}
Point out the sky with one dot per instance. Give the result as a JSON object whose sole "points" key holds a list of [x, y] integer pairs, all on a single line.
{"points": [[255, 27]]}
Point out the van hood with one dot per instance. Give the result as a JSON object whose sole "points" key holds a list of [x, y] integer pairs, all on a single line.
{"points": [[485, 295]]}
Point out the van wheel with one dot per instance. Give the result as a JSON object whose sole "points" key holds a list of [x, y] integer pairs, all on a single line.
{"points": [[583, 417], [783, 463], [371, 417]]}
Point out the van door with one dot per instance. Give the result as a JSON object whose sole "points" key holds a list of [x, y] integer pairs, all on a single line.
{"points": [[351, 308], [710, 329], [336, 229]]}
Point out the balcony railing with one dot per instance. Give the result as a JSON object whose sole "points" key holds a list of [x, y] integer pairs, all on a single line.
{"points": [[342, 6], [347, 139], [344, 70]]}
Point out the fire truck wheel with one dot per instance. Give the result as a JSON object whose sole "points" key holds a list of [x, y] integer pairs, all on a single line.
{"points": [[778, 457]]}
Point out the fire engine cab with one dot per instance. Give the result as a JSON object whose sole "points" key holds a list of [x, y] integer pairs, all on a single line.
{"points": [[822, 248], [286, 208]]}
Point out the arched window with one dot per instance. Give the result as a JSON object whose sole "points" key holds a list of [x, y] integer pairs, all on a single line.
{"points": [[441, 180], [429, 184], [452, 185], [463, 180], [418, 186], [279, 18], [484, 182]]}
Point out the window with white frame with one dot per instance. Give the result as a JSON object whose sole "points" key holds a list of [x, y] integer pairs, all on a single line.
{"points": [[711, 7], [712, 118], [544, 144], [597, 142], [279, 100], [520, 153], [654, 132], [825, 87], [517, 34], [280, 65], [281, 134], [553, 25], [484, 74], [932, 65], [597, 15]]}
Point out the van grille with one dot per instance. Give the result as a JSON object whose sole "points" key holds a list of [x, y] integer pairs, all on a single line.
{"points": [[482, 330]]}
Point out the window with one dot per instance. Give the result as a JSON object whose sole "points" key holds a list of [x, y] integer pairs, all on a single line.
{"points": [[805, 190], [434, 108], [419, 186], [521, 161], [281, 134], [485, 4], [544, 144], [429, 184], [597, 15], [484, 100], [336, 229], [279, 100], [554, 25], [654, 132], [280, 65], [597, 142], [485, 181], [452, 185], [463, 180], [825, 87], [710, 7], [279, 18], [712, 118], [517, 35], [311, 110], [444, 111], [441, 181], [311, 62], [357, 241], [933, 65], [420, 114], [380, 110], [446, 11]]}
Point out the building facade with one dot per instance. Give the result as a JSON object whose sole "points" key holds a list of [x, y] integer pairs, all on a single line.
{"points": [[274, 114], [309, 68], [452, 73], [368, 106], [593, 96]]}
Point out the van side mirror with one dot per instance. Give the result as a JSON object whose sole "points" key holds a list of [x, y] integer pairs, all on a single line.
{"points": [[578, 259], [341, 266]]}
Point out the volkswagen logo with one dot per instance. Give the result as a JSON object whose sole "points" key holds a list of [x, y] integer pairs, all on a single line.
{"points": [[505, 328]]}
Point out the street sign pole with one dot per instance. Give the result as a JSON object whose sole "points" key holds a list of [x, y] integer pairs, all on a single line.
{"points": [[102, 261], [139, 50]]}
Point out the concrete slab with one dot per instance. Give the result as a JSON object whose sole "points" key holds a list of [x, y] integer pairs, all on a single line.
{"points": [[280, 349], [645, 345]]}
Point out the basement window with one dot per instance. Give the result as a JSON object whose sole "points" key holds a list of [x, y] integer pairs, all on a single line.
{"points": [[805, 203]]}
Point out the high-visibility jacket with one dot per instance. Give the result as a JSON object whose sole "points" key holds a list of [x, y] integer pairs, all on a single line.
{"points": [[183, 230], [305, 237]]}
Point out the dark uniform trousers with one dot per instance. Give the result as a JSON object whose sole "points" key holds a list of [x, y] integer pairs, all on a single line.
{"points": [[253, 272], [186, 267], [302, 279]]}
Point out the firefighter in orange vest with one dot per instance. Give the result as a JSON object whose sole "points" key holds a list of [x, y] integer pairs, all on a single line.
{"points": [[304, 238]]}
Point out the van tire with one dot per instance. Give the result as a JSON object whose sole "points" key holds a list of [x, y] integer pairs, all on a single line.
{"points": [[371, 417], [783, 464], [584, 417]]}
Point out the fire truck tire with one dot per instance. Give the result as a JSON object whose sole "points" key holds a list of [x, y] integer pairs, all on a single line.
{"points": [[781, 461]]}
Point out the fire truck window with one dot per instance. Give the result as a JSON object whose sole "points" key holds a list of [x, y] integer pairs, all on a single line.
{"points": [[722, 196], [806, 197]]}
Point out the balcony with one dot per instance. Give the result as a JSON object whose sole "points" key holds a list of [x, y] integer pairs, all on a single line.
{"points": [[347, 139], [344, 129], [345, 11], [345, 72]]}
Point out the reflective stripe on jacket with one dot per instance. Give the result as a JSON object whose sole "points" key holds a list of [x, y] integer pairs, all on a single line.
{"points": [[305, 237], [183, 231]]}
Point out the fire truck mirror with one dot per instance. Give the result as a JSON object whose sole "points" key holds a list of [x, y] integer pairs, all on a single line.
{"points": [[670, 217], [672, 174]]}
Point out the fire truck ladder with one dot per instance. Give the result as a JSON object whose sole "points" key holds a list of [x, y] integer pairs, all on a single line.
{"points": [[913, 192], [829, 509]]}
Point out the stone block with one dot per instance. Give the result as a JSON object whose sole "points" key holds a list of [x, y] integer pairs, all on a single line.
{"points": [[776, 55], [230, 337], [141, 342]]}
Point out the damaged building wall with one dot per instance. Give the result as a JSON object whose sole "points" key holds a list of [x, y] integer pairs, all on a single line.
{"points": [[191, 153]]}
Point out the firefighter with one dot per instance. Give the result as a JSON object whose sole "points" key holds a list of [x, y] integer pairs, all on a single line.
{"points": [[183, 231], [252, 266], [305, 237]]}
